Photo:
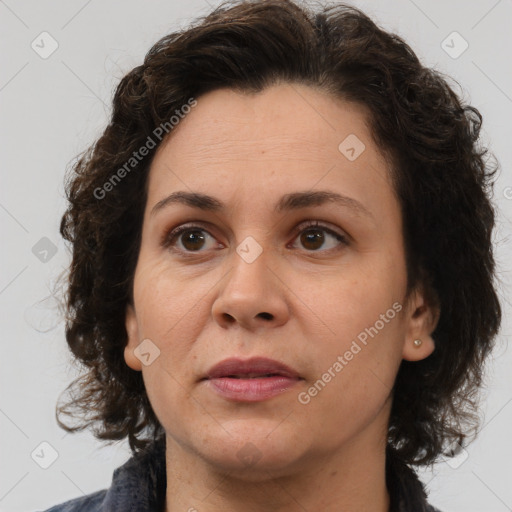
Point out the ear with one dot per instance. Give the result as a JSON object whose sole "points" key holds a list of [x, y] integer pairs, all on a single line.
{"points": [[421, 319], [132, 330]]}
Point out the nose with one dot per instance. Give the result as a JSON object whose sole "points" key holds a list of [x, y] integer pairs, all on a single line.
{"points": [[251, 295]]}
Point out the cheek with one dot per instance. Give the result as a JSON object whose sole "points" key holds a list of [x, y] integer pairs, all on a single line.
{"points": [[340, 306], [176, 411], [357, 349], [171, 313], [166, 301], [353, 383]]}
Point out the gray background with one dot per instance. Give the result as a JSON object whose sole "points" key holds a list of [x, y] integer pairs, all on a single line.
{"points": [[53, 108]]}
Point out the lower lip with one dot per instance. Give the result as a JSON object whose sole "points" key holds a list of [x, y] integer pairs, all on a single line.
{"points": [[251, 390]]}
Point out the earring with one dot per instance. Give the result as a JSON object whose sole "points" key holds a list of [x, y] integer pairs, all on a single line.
{"points": [[417, 343]]}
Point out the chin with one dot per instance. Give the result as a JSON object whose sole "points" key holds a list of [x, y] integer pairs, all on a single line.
{"points": [[253, 454]]}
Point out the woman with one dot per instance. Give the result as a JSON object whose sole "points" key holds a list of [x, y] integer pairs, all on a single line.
{"points": [[282, 276]]}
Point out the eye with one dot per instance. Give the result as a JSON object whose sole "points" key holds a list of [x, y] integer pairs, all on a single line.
{"points": [[192, 238], [314, 236]]}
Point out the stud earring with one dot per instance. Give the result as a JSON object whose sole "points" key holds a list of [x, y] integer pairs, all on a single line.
{"points": [[417, 343]]}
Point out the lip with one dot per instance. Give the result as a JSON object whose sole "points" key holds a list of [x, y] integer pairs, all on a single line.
{"points": [[254, 365], [230, 379]]}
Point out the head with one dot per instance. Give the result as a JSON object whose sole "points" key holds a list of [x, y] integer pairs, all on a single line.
{"points": [[258, 106]]}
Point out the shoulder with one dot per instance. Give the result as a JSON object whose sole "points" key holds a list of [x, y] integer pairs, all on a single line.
{"points": [[89, 503], [139, 484]]}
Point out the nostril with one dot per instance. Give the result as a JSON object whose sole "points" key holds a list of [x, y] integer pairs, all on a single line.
{"points": [[266, 316], [228, 318]]}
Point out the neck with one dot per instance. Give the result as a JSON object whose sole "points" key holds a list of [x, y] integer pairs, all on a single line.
{"points": [[350, 479]]}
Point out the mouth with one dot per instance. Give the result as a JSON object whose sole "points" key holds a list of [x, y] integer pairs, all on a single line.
{"points": [[253, 368], [253, 376], [252, 380]]}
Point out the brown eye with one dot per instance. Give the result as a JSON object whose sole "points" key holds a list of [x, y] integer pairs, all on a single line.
{"points": [[312, 239], [192, 240], [316, 236], [188, 238]]}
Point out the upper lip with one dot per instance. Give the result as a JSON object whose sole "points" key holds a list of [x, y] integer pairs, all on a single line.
{"points": [[254, 365]]}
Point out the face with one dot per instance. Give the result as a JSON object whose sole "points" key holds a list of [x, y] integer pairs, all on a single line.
{"points": [[299, 257]]}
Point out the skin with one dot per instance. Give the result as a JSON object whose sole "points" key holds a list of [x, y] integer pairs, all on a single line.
{"points": [[248, 151]]}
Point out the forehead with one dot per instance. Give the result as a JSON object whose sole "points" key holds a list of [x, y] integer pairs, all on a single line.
{"points": [[286, 135], [283, 116]]}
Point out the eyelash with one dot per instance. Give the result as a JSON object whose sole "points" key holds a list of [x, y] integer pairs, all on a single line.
{"points": [[169, 238]]}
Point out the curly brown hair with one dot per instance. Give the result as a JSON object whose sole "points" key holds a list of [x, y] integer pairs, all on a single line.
{"points": [[440, 172]]}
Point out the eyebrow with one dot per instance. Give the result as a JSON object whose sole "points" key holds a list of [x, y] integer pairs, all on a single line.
{"points": [[292, 201]]}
